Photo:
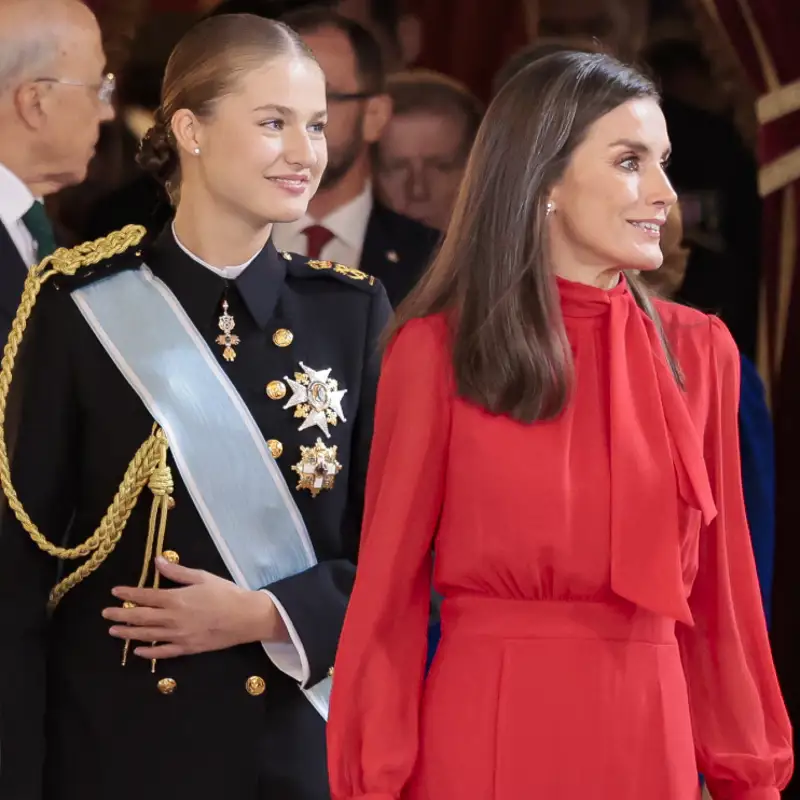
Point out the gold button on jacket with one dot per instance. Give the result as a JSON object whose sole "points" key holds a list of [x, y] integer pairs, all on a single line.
{"points": [[283, 337], [276, 390], [335, 320], [255, 685]]}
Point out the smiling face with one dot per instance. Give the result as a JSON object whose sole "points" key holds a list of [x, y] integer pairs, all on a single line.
{"points": [[613, 199], [263, 149]]}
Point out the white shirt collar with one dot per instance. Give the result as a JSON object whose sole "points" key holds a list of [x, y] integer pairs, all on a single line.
{"points": [[348, 223], [15, 197], [231, 273]]}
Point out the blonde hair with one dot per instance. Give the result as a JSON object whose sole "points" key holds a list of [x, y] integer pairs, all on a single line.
{"points": [[204, 67]]}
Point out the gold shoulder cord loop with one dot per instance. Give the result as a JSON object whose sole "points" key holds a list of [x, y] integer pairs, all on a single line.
{"points": [[148, 466]]}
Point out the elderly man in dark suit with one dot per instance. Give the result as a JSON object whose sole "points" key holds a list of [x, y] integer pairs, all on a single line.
{"points": [[53, 97]]}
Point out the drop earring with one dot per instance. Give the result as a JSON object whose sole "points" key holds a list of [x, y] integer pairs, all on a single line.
{"points": [[549, 209]]}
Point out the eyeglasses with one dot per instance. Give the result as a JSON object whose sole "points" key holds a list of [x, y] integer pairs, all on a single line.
{"points": [[105, 89]]}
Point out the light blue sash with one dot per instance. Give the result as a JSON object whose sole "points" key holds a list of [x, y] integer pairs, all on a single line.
{"points": [[231, 476]]}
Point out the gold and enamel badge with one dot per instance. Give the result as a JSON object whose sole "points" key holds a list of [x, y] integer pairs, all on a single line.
{"points": [[316, 398], [317, 468], [227, 339]]}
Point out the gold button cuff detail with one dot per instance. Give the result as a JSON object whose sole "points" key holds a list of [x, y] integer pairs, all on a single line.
{"points": [[330, 672], [167, 685], [276, 390], [255, 686], [283, 337], [275, 447], [171, 557]]}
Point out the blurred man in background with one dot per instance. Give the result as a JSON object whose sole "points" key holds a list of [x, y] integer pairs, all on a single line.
{"points": [[345, 222], [396, 29], [421, 156]]}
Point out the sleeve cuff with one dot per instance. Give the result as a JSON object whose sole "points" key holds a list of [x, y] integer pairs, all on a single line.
{"points": [[289, 657]]}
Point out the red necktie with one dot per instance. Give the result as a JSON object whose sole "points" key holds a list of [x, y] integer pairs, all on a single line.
{"points": [[317, 237]]}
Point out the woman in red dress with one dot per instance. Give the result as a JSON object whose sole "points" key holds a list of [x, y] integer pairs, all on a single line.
{"points": [[569, 447]]}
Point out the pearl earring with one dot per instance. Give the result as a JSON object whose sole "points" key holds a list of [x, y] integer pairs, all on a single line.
{"points": [[197, 151], [549, 209]]}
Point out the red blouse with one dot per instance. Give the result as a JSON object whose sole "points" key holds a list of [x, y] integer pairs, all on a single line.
{"points": [[632, 496]]}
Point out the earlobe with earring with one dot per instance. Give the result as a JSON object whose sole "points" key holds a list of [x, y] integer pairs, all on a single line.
{"points": [[196, 151], [549, 209]]}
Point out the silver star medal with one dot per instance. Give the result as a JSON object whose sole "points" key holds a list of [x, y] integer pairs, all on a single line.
{"points": [[316, 398]]}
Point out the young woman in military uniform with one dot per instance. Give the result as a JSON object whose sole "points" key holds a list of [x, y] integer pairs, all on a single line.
{"points": [[217, 419]]}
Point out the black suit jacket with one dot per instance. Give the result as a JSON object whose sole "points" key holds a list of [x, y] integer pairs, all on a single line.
{"points": [[13, 271], [70, 715], [397, 250]]}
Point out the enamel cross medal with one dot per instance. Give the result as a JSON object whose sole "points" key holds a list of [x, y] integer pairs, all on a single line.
{"points": [[227, 338], [316, 398]]}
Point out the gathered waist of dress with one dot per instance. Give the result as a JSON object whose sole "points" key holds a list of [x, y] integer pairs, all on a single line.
{"points": [[478, 615]]}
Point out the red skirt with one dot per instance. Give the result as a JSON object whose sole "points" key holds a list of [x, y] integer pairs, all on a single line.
{"points": [[554, 701]]}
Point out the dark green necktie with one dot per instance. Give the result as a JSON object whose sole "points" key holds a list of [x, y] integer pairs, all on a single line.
{"points": [[40, 227]]}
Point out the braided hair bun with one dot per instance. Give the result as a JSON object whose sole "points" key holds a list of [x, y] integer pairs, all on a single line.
{"points": [[158, 154]]}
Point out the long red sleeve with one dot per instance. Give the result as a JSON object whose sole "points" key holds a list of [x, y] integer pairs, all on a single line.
{"points": [[373, 725], [741, 728]]}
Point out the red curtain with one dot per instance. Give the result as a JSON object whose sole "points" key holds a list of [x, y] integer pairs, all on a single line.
{"points": [[470, 39], [466, 39]]}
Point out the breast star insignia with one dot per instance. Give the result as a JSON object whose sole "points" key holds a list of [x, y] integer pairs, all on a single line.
{"points": [[317, 468], [316, 399]]}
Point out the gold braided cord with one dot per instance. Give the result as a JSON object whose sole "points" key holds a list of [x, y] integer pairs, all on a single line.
{"points": [[148, 466]]}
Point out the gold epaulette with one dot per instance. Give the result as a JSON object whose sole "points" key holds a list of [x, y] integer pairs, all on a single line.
{"points": [[341, 269], [149, 465], [68, 260]]}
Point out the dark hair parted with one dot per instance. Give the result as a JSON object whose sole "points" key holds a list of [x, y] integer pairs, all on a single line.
{"points": [[386, 15], [491, 276], [369, 59], [205, 66]]}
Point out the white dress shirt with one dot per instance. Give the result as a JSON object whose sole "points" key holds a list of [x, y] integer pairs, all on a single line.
{"points": [[348, 224], [15, 200], [289, 657]]}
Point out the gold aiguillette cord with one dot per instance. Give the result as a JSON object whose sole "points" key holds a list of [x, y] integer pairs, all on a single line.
{"points": [[162, 486]]}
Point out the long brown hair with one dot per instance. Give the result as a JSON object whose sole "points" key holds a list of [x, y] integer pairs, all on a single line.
{"points": [[491, 275]]}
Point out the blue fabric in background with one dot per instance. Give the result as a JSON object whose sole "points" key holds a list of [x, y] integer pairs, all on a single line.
{"points": [[434, 632], [758, 475]]}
